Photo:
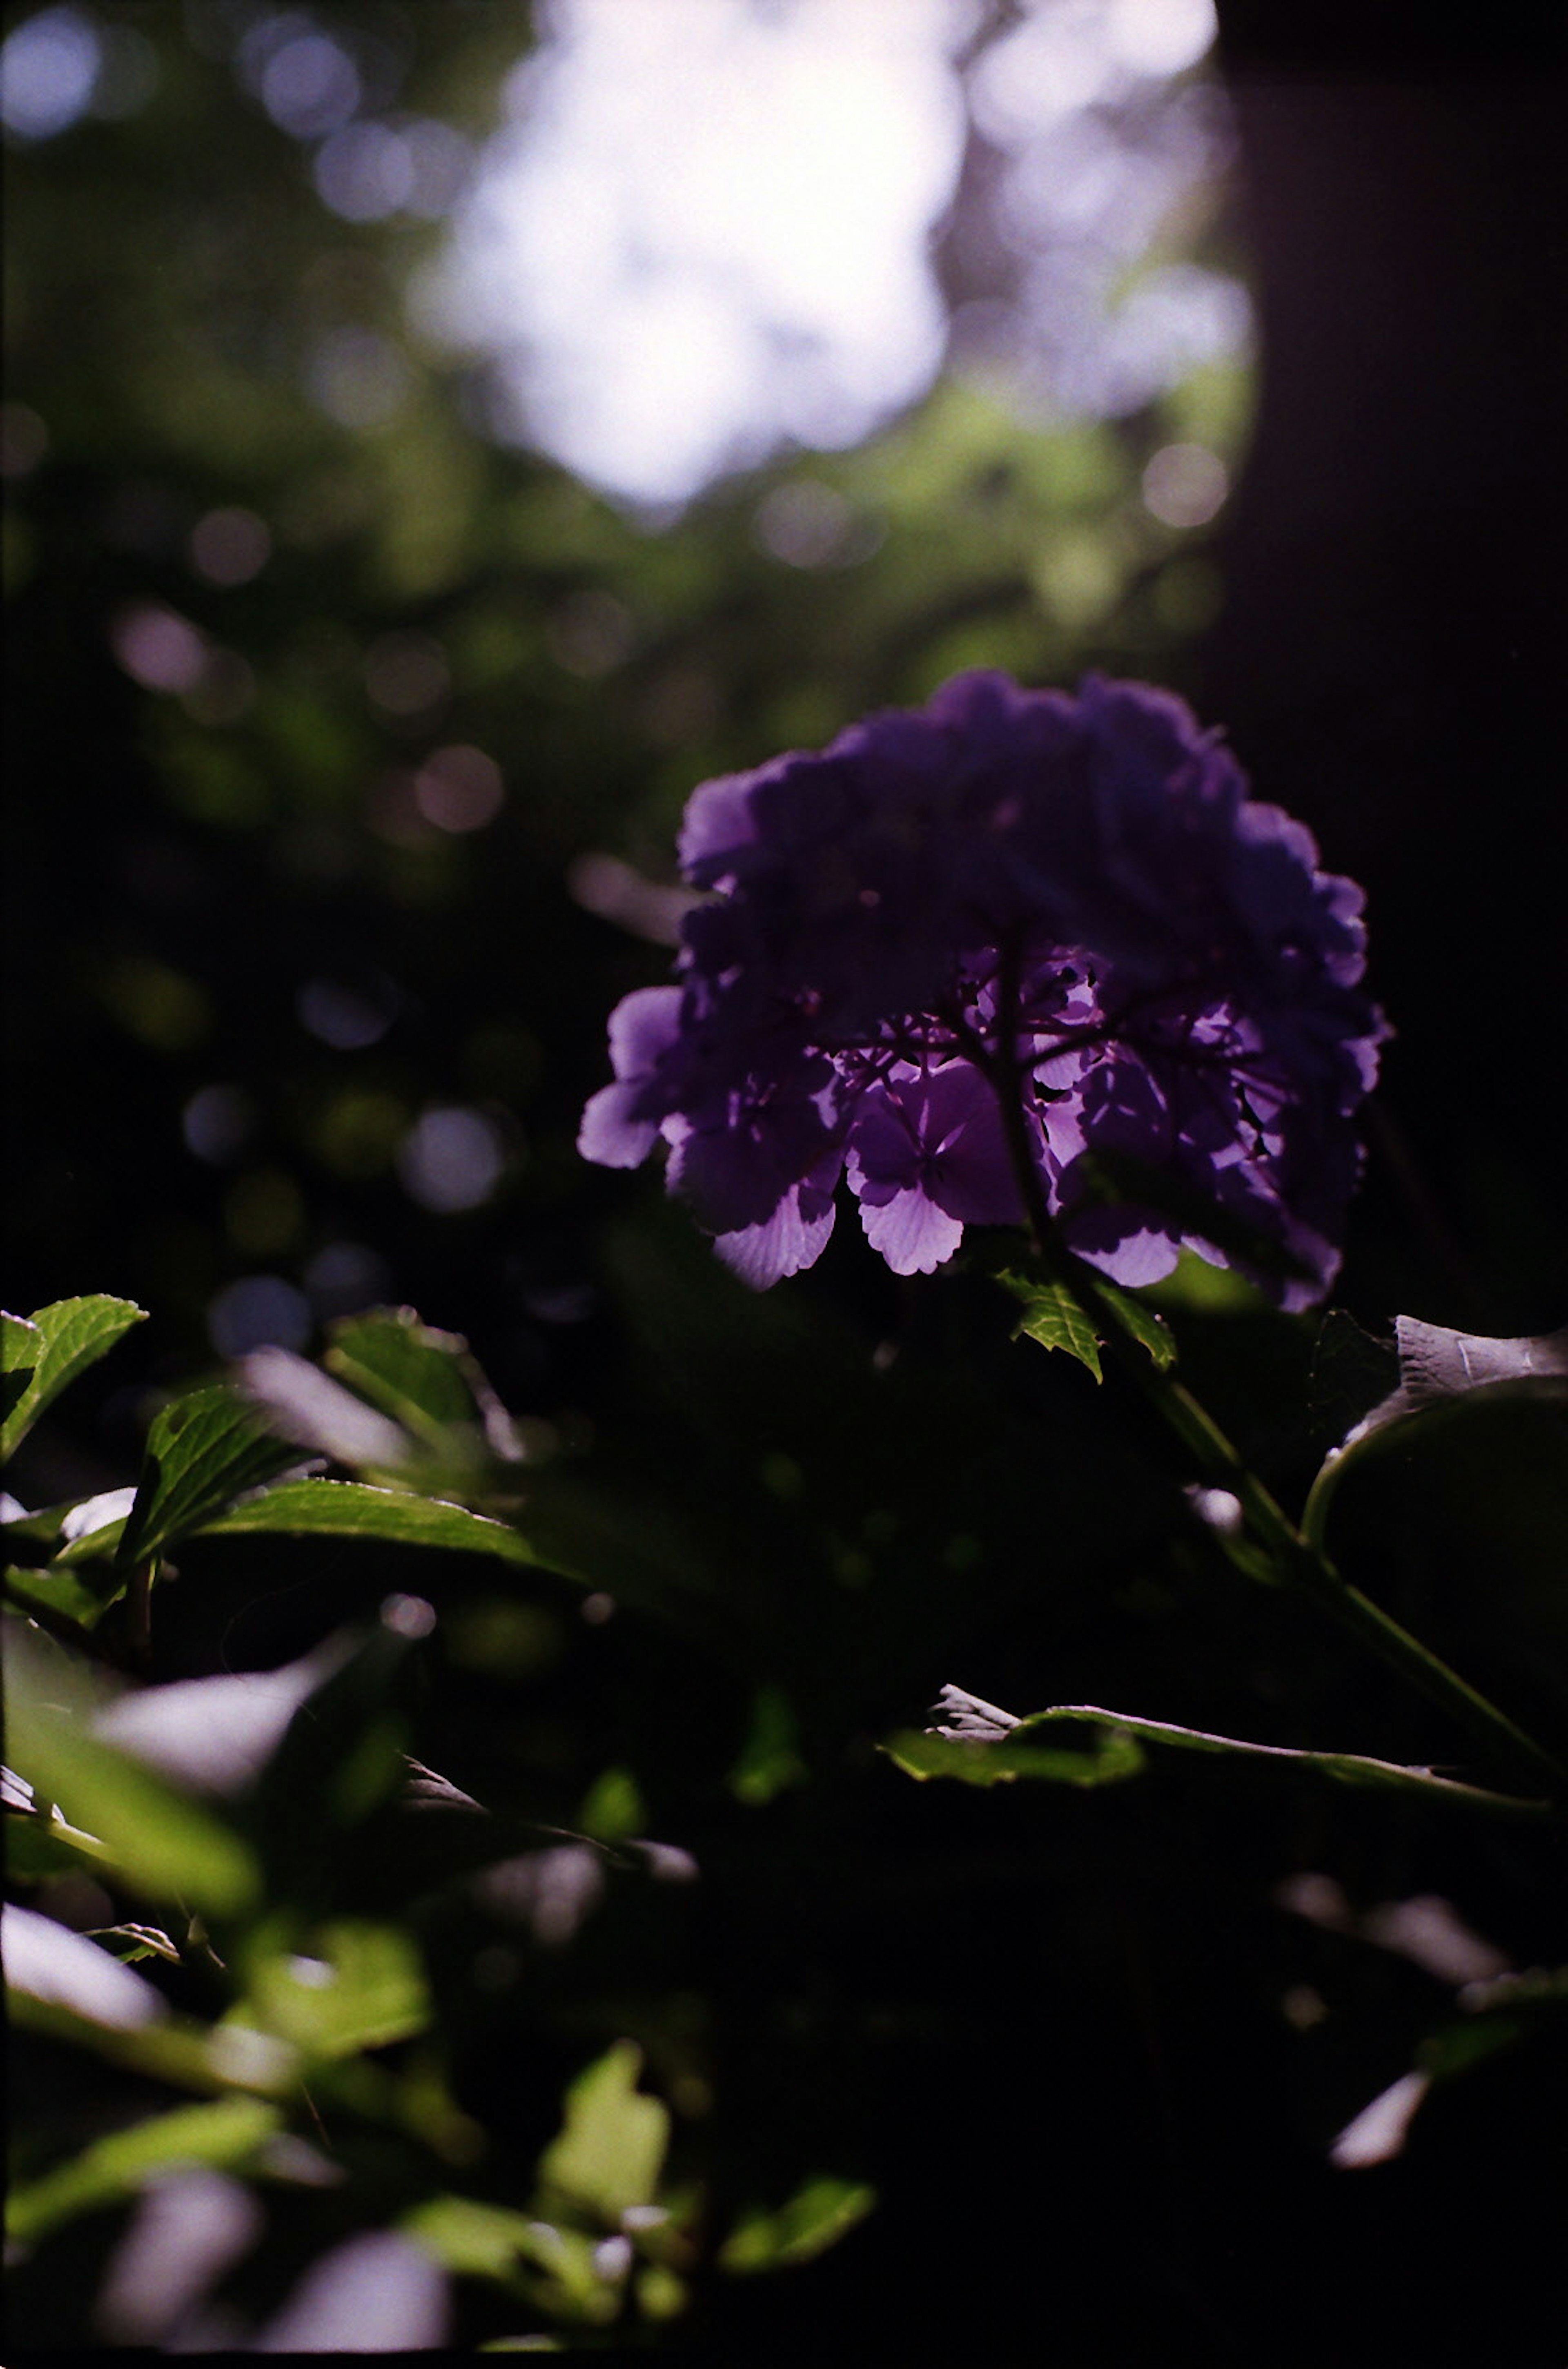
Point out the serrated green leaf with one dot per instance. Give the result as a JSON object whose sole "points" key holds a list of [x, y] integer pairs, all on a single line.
{"points": [[225, 2133], [1142, 1325], [356, 1509], [1442, 1374], [203, 1451], [156, 1836], [1054, 1317], [815, 2218], [45, 1352], [610, 2152], [21, 1348]]}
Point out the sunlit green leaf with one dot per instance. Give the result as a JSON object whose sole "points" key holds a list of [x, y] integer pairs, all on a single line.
{"points": [[224, 2135], [815, 2217], [50, 1350], [64, 1594], [21, 1348], [355, 1509], [157, 1837], [473, 2238], [610, 2149], [348, 1986], [203, 1451]]}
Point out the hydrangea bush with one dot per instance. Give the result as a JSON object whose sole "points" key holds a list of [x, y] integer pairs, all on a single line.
{"points": [[1015, 956]]}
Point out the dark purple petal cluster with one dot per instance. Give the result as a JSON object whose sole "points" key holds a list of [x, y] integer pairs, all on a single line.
{"points": [[1013, 927]]}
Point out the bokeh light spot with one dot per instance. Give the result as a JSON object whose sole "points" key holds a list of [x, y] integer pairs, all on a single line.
{"points": [[255, 1312], [49, 66], [230, 546], [450, 1160], [1185, 484], [459, 789], [158, 648]]}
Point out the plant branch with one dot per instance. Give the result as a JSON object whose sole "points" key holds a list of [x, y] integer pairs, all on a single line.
{"points": [[1296, 1559]]}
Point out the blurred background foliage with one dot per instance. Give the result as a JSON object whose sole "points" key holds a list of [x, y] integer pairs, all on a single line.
{"points": [[349, 730]]}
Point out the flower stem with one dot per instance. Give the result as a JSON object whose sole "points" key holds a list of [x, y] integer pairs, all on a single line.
{"points": [[1294, 1558]]}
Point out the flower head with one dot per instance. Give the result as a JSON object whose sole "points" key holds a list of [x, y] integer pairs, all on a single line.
{"points": [[1013, 927]]}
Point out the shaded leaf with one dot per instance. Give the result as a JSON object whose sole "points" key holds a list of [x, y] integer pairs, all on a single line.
{"points": [[976, 1761], [1441, 1373], [50, 1350], [425, 1379], [1351, 1372], [203, 1451], [1148, 1328], [815, 2217], [985, 1751]]}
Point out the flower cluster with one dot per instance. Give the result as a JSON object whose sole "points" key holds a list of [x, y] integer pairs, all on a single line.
{"points": [[1018, 951]]}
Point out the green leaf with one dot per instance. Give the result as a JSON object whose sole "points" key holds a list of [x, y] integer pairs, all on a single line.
{"points": [[21, 1348], [991, 1750], [425, 1379], [203, 1451], [1441, 1374], [976, 1761], [64, 1594], [39, 1356], [224, 2135], [1056, 1316], [474, 2240], [1053, 1317], [610, 2148], [1145, 1325], [159, 1840], [355, 1509], [350, 1986], [815, 2218]]}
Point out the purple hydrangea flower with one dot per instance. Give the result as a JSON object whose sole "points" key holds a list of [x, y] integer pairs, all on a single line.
{"points": [[1066, 905]]}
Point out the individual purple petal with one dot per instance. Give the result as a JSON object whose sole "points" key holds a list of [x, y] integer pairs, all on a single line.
{"points": [[783, 1244], [913, 1235], [616, 1129]]}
